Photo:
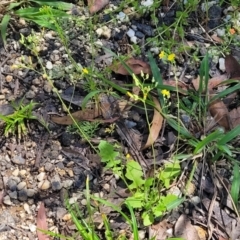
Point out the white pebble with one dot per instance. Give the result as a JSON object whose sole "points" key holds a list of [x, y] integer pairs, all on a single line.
{"points": [[15, 172], [32, 227], [41, 176], [27, 208], [221, 32], [221, 62], [130, 33], [49, 65], [133, 39], [147, 3], [44, 185]]}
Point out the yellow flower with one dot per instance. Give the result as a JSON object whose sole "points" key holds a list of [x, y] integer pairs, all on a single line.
{"points": [[165, 93], [84, 70], [232, 31], [171, 57], [161, 54]]}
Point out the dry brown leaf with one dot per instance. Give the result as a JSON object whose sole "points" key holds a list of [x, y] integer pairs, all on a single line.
{"points": [[134, 64], [232, 67], [96, 5], [234, 116], [180, 85], [216, 38], [220, 113], [156, 124], [212, 83], [42, 222], [86, 114], [159, 230], [183, 228]]}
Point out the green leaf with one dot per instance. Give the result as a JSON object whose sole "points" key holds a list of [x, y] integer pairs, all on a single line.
{"points": [[107, 151], [137, 200], [147, 218], [134, 173], [3, 27], [230, 136], [14, 5], [88, 97], [235, 184]]}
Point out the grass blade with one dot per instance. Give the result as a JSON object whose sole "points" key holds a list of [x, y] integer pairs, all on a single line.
{"points": [[230, 135], [235, 184], [3, 27]]}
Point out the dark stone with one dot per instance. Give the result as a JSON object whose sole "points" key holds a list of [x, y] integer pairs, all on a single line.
{"points": [[119, 35], [12, 183], [214, 14], [106, 18], [146, 29], [139, 34], [23, 195], [67, 139]]}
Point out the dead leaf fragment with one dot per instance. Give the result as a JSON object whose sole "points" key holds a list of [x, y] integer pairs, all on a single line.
{"points": [[234, 116], [135, 65], [96, 5], [159, 231], [156, 124], [220, 113], [232, 67], [86, 114], [184, 229], [42, 222]]}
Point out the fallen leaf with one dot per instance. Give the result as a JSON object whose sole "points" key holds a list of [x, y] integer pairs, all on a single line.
{"points": [[181, 86], [220, 113], [135, 65], [86, 114], [232, 67], [156, 124], [159, 230], [212, 83], [216, 38], [42, 222], [234, 116], [184, 229], [96, 5]]}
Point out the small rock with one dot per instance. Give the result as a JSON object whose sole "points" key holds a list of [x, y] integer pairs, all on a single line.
{"points": [[9, 78], [22, 195], [221, 62], [221, 32], [2, 97], [44, 185], [12, 183], [22, 173], [30, 192], [47, 87], [21, 185], [32, 227], [56, 183], [133, 39], [147, 3], [66, 217], [84, 202], [27, 208], [131, 33], [49, 166], [15, 172], [214, 15], [49, 65], [7, 201], [104, 31], [13, 195], [41, 176], [139, 34], [60, 212], [18, 159], [36, 81], [67, 183], [30, 94]]}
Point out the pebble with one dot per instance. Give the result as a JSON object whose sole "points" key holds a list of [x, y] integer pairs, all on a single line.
{"points": [[13, 195], [2, 97], [32, 227], [47, 87], [30, 192], [56, 183], [21, 185], [18, 159], [147, 3], [130, 33], [48, 166], [221, 32], [60, 212], [221, 62], [27, 208], [30, 94], [104, 32], [36, 81], [22, 195], [9, 78], [41, 176], [44, 185], [67, 183], [7, 200], [133, 39], [195, 200], [139, 34], [22, 173], [15, 172], [12, 183], [84, 202], [49, 65], [122, 17]]}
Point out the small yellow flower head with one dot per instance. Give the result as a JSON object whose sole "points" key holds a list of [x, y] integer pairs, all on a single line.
{"points": [[133, 96], [165, 93], [85, 71], [161, 54], [171, 57], [232, 31]]}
